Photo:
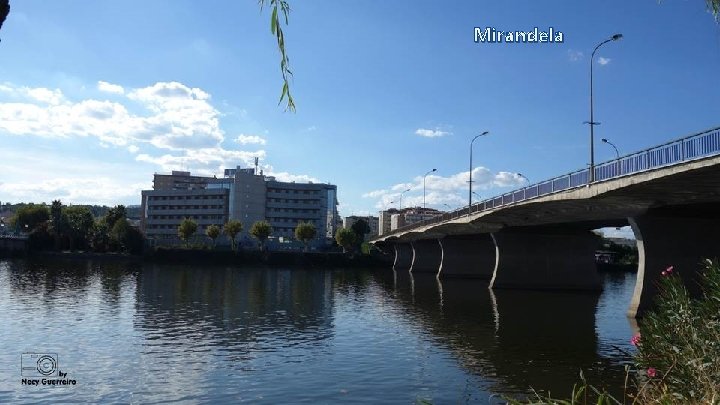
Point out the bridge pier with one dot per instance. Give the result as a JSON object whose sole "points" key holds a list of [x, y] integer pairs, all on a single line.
{"points": [[467, 256], [427, 256], [403, 256], [546, 258], [681, 238]]}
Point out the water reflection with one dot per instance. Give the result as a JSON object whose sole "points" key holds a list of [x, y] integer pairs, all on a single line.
{"points": [[154, 333], [515, 338]]}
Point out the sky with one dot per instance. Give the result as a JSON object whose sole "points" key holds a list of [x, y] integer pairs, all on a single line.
{"points": [[96, 97]]}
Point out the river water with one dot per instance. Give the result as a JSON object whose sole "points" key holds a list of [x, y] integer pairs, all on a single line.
{"points": [[151, 333]]}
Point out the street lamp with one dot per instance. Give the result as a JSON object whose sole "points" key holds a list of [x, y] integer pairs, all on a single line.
{"points": [[617, 154], [425, 206], [401, 194], [471, 169], [523, 176], [477, 195], [592, 123]]}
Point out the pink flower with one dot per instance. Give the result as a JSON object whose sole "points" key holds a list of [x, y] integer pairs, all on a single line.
{"points": [[635, 340], [651, 372], [667, 271]]}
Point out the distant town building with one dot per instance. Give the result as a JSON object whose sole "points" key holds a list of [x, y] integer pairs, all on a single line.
{"points": [[384, 225], [241, 195], [372, 221], [393, 219]]}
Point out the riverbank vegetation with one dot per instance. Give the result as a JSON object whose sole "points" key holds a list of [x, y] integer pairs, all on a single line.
{"points": [[59, 227], [678, 349]]}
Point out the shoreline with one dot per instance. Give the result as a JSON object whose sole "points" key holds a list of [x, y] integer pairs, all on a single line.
{"points": [[175, 256]]}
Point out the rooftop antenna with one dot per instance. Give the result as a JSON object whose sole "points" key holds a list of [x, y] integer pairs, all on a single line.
{"points": [[256, 165]]}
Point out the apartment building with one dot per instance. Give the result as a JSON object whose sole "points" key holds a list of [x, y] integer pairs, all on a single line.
{"points": [[243, 195]]}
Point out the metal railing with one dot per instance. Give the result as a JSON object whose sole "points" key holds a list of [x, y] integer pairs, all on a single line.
{"points": [[696, 146]]}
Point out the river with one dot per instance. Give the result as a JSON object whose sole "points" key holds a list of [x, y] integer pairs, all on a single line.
{"points": [[150, 333]]}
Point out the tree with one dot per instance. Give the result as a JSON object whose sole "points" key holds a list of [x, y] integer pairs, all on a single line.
{"points": [[115, 214], [361, 228], [305, 232], [261, 230], [213, 231], [231, 229], [31, 215], [126, 238], [187, 229], [346, 238], [100, 236], [79, 220], [58, 223], [118, 234]]}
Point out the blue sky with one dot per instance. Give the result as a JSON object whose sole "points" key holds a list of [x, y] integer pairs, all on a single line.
{"points": [[95, 97]]}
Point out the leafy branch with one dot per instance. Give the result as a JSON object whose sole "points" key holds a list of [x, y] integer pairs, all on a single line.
{"points": [[281, 7]]}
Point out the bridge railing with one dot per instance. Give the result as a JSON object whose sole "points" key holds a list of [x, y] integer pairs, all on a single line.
{"points": [[696, 146]]}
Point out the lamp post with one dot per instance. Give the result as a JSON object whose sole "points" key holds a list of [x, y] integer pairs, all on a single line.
{"points": [[477, 195], [592, 122], [523, 176], [424, 205], [471, 169], [617, 154], [401, 194]]}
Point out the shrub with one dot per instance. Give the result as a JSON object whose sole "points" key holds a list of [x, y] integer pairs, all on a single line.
{"points": [[679, 350]]}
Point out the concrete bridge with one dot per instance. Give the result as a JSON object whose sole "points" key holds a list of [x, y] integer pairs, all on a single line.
{"points": [[539, 237]]}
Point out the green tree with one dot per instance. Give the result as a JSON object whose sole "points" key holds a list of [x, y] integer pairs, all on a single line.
{"points": [[213, 231], [126, 238], [118, 234], [361, 228], [31, 215], [58, 223], [261, 230], [346, 238], [114, 214], [231, 229], [305, 232], [100, 236], [79, 220], [186, 230]]}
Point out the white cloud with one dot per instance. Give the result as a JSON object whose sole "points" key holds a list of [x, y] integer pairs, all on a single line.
{"points": [[178, 124], [203, 161], [250, 139], [375, 194], [451, 190], [431, 133], [110, 88], [37, 94], [77, 190], [181, 118], [574, 55], [288, 177], [603, 61]]}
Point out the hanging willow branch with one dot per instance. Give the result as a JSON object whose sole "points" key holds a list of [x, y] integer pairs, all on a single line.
{"points": [[4, 10], [714, 7], [281, 7]]}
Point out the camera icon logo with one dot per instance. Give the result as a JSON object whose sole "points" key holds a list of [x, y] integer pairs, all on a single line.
{"points": [[39, 365]]}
